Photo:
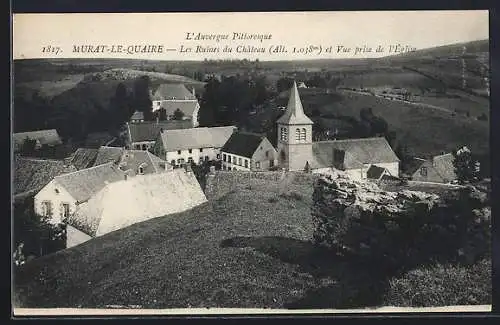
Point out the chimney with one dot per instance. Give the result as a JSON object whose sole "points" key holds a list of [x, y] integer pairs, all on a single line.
{"points": [[157, 120], [194, 93]]}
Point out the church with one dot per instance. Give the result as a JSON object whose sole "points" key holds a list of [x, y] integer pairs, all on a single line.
{"points": [[296, 150]]}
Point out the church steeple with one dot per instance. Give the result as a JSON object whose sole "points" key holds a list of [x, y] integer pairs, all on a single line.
{"points": [[294, 113]]}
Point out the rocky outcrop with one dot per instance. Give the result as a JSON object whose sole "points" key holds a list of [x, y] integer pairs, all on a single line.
{"points": [[361, 218]]}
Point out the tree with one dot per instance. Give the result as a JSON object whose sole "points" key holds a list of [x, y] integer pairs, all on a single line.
{"points": [[178, 114], [34, 234], [142, 101], [120, 106], [284, 84], [466, 167]]}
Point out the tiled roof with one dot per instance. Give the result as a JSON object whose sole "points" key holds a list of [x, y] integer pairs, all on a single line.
{"points": [[136, 199], [364, 151], [294, 113], [108, 154], [82, 184], [83, 158], [47, 137], [32, 174], [444, 166], [186, 107], [243, 144], [171, 91], [204, 137], [149, 131]]}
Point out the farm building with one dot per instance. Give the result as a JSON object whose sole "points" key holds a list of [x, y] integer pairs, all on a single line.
{"points": [[192, 145], [61, 196], [142, 136], [41, 137], [439, 169], [137, 117], [248, 151], [172, 97], [128, 201]]}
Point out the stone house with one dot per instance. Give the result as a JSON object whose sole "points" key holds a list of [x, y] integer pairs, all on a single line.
{"points": [[172, 97], [142, 136], [438, 169], [128, 201], [248, 151], [179, 147]]}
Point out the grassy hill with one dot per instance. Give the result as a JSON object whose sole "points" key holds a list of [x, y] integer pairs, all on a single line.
{"points": [[250, 248]]}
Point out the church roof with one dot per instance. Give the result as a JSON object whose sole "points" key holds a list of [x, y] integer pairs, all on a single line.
{"points": [[294, 113]]}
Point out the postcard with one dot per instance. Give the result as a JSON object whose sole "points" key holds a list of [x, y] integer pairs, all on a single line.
{"points": [[246, 163]]}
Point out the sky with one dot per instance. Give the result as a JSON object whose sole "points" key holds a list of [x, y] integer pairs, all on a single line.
{"points": [[312, 34]]}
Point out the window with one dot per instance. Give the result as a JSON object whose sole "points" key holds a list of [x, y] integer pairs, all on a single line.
{"points": [[172, 162], [190, 160], [138, 146], [246, 163], [190, 150], [297, 134], [228, 159], [218, 156], [178, 152], [56, 190], [234, 168], [206, 158], [200, 161], [257, 164], [223, 167], [303, 134], [423, 171], [201, 149], [64, 210], [240, 161], [267, 153], [223, 157], [47, 208], [141, 170], [283, 134], [180, 161], [144, 147]]}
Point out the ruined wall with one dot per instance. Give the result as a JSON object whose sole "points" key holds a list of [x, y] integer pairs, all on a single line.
{"points": [[360, 218]]}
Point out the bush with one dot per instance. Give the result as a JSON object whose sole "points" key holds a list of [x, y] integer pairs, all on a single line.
{"points": [[292, 195], [272, 199], [442, 284]]}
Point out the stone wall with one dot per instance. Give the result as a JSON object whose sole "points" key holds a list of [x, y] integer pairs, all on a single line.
{"points": [[361, 218]]}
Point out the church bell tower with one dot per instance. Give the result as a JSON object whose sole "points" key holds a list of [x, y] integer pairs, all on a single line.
{"points": [[294, 135]]}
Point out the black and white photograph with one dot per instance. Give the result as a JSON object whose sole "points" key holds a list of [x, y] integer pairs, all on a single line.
{"points": [[251, 162]]}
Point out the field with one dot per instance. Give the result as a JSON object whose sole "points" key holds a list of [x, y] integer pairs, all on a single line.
{"points": [[248, 249]]}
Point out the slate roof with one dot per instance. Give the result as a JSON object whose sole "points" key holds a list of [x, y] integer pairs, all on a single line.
{"points": [[83, 158], [375, 172], [82, 184], [204, 137], [32, 174], [149, 131], [133, 159], [186, 107], [108, 154], [137, 116], [443, 164], [123, 203], [45, 137], [294, 113], [243, 144], [359, 151], [171, 91]]}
